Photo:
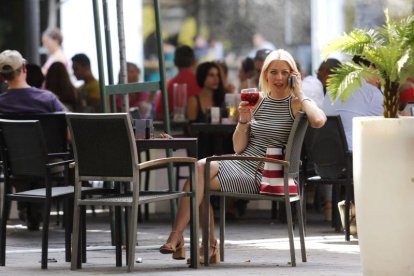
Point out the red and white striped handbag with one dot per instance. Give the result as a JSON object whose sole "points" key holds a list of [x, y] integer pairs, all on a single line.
{"points": [[272, 177]]}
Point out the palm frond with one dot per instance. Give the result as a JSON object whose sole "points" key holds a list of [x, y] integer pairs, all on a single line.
{"points": [[346, 79], [407, 69], [406, 31], [352, 43]]}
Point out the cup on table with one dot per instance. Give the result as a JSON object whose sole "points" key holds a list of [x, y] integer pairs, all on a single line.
{"points": [[144, 129], [231, 101], [215, 115]]}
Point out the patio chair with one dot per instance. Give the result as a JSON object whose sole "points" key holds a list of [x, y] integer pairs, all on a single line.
{"points": [[327, 149], [25, 154], [290, 170], [55, 132], [105, 149]]}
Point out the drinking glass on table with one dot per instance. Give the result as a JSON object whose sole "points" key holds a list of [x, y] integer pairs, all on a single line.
{"points": [[231, 105], [250, 95]]}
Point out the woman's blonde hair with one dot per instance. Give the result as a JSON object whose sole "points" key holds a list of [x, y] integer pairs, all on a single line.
{"points": [[279, 54]]}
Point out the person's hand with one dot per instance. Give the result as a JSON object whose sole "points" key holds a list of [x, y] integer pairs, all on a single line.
{"points": [[244, 112], [297, 88], [165, 136]]}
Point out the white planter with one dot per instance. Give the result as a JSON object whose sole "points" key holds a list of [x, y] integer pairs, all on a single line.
{"points": [[384, 194]]}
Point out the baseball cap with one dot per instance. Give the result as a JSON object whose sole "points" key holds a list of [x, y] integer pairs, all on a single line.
{"points": [[10, 60]]}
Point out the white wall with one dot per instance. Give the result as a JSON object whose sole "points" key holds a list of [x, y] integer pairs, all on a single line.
{"points": [[77, 25]]}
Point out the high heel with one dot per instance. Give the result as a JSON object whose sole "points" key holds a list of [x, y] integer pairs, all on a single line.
{"points": [[214, 254], [177, 250]]}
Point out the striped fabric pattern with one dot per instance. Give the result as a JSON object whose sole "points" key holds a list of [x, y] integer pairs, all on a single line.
{"points": [[273, 178], [270, 127]]}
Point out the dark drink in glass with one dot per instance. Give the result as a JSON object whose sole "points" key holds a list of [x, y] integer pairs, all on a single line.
{"points": [[250, 95]]}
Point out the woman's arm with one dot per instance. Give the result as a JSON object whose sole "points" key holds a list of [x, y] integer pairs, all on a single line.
{"points": [[241, 137], [192, 108], [316, 116], [241, 134]]}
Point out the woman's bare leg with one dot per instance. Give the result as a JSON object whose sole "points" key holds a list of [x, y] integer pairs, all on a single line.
{"points": [[183, 213]]}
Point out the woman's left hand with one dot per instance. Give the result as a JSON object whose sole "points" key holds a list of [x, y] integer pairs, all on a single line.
{"points": [[297, 88]]}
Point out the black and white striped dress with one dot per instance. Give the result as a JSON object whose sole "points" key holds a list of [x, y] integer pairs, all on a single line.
{"points": [[271, 125]]}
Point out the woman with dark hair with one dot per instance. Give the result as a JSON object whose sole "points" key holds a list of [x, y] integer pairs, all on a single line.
{"points": [[58, 81], [211, 93], [198, 109]]}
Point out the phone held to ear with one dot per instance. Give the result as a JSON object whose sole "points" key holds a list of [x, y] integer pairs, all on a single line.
{"points": [[291, 81]]}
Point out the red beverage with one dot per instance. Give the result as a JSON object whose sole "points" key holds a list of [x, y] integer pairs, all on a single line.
{"points": [[250, 95]]}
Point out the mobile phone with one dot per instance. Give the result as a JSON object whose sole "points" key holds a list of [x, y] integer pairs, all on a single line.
{"points": [[291, 81]]}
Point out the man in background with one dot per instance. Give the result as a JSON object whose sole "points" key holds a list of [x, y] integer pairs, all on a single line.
{"points": [[89, 92], [185, 61], [22, 98]]}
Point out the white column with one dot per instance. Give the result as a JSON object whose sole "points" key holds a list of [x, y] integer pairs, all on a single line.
{"points": [[327, 22], [77, 27]]}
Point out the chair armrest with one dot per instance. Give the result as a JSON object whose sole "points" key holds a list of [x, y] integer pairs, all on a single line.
{"points": [[59, 154], [247, 158], [167, 160], [59, 163]]}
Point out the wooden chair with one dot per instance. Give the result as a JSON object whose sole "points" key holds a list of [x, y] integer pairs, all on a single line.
{"points": [[105, 149], [291, 169], [25, 154], [327, 149]]}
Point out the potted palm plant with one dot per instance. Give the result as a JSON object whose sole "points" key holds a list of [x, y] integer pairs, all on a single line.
{"points": [[383, 148]]}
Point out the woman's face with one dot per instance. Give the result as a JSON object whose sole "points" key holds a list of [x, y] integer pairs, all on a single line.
{"points": [[277, 75], [213, 79], [49, 43]]}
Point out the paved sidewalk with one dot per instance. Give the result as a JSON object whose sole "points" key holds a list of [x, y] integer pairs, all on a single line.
{"points": [[255, 245]]}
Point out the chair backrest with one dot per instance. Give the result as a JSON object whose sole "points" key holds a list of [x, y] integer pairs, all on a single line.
{"points": [[327, 148], [23, 148], [104, 146], [295, 142], [53, 125]]}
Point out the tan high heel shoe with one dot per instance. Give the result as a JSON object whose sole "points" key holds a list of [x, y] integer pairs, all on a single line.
{"points": [[214, 254], [177, 250]]}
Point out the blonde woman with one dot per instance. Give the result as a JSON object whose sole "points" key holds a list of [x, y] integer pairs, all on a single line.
{"points": [[268, 123]]}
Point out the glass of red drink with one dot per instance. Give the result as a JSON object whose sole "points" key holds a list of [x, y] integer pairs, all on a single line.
{"points": [[250, 95]]}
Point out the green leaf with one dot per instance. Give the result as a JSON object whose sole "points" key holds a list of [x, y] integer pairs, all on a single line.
{"points": [[352, 43], [346, 79], [390, 48]]}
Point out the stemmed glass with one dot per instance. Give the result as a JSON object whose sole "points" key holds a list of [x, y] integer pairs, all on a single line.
{"points": [[250, 95]]}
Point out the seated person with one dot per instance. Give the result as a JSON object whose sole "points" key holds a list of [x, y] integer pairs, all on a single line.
{"points": [[211, 93], [142, 100], [21, 98], [198, 108], [268, 123], [89, 94], [247, 73], [185, 61]]}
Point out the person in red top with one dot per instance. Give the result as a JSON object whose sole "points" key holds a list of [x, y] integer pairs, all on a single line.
{"points": [[184, 60]]}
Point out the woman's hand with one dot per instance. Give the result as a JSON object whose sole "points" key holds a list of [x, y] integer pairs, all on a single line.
{"points": [[244, 112], [297, 88]]}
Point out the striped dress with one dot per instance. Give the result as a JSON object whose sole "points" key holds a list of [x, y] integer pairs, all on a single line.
{"points": [[271, 125]]}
